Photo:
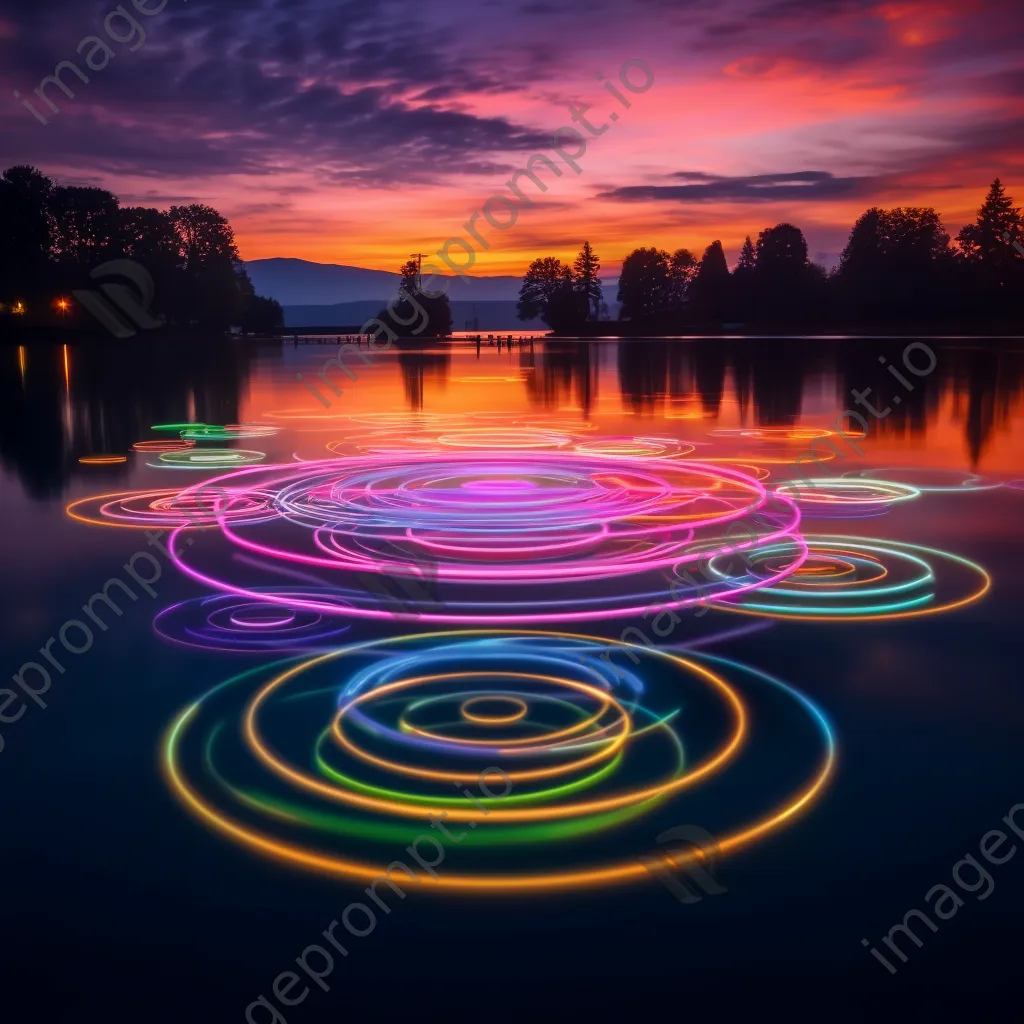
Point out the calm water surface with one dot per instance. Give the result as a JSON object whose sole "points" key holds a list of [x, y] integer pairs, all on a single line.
{"points": [[118, 901]]}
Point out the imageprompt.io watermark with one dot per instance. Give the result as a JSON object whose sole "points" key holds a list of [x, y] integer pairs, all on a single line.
{"points": [[500, 211], [121, 27]]}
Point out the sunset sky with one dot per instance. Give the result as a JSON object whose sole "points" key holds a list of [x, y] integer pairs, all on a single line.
{"points": [[359, 132]]}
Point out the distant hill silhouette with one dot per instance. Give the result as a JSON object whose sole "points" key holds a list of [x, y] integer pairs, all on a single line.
{"points": [[301, 283]]}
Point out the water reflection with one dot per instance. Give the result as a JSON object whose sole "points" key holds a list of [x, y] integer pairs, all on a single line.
{"points": [[417, 368], [59, 403], [562, 374]]}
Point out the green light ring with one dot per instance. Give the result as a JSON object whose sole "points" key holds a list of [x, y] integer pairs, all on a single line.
{"points": [[212, 432], [208, 458], [341, 824], [414, 800]]}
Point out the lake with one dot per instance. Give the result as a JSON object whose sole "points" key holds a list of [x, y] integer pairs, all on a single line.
{"points": [[552, 590]]}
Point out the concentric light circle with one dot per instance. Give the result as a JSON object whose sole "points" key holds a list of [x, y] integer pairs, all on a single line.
{"points": [[326, 763], [854, 579]]}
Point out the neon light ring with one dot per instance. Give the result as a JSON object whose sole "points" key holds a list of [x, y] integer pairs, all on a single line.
{"points": [[504, 538], [856, 579], [836, 497], [330, 764], [961, 483]]}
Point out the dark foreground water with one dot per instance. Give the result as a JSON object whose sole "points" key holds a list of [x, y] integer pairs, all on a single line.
{"points": [[887, 756]]}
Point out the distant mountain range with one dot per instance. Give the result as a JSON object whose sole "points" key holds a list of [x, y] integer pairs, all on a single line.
{"points": [[301, 283], [329, 293]]}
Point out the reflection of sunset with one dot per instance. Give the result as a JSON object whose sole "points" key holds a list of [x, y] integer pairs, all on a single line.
{"points": [[956, 421]]}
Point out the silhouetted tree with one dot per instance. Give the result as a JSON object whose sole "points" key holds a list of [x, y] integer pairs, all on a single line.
{"points": [[262, 316], [543, 278], [644, 289], [585, 271], [781, 279], [682, 266], [993, 269], [568, 308], [148, 236], [410, 274], [711, 291], [214, 285], [552, 292], [747, 262], [53, 236], [897, 264], [416, 314], [24, 234], [985, 241], [744, 280], [84, 229]]}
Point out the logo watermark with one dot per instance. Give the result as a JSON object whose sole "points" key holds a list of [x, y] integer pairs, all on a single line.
{"points": [[132, 305]]}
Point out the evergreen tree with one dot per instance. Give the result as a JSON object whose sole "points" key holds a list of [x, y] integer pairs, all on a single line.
{"points": [[745, 282], [748, 257], [711, 291], [984, 245], [585, 269]]}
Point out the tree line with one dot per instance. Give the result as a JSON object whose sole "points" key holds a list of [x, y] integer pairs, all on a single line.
{"points": [[52, 236], [899, 265]]}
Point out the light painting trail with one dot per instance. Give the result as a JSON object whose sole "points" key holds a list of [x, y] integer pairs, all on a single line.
{"points": [[207, 458], [935, 481], [507, 538], [857, 579], [590, 756], [328, 759], [828, 497], [224, 623]]}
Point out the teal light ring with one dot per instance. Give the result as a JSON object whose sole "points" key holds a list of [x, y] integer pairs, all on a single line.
{"points": [[849, 590], [971, 482]]}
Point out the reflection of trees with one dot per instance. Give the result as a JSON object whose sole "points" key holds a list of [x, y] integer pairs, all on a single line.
{"points": [[644, 374], [771, 375], [564, 373], [987, 386], [419, 367], [777, 371], [982, 384], [709, 374], [59, 402]]}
